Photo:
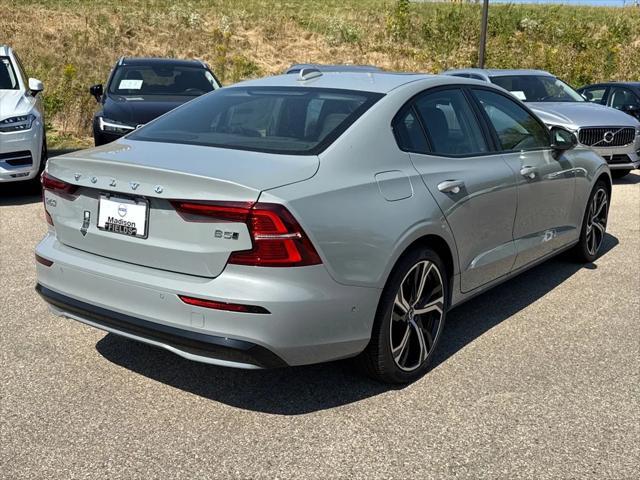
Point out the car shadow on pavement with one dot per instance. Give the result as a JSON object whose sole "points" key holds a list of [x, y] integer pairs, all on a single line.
{"points": [[20, 193], [629, 179], [300, 390]]}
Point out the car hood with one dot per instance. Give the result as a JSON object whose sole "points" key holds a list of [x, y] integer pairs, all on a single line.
{"points": [[574, 115], [14, 102], [136, 110]]}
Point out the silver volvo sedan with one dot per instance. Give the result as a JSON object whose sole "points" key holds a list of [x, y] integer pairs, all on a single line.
{"points": [[311, 217]]}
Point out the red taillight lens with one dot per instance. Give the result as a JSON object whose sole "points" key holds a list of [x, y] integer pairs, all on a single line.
{"points": [[58, 186], [278, 239], [43, 261], [231, 307]]}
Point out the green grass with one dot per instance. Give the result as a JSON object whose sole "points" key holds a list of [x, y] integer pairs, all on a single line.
{"points": [[71, 44]]}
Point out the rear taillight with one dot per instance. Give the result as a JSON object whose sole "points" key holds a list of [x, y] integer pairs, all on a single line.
{"points": [[43, 261], [58, 186], [278, 239]]}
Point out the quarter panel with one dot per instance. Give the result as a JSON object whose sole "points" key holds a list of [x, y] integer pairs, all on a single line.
{"points": [[358, 232]]}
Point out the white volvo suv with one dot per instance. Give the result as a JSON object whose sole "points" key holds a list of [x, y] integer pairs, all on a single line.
{"points": [[23, 146]]}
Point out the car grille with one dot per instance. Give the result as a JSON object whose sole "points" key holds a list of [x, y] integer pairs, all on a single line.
{"points": [[16, 159], [615, 136]]}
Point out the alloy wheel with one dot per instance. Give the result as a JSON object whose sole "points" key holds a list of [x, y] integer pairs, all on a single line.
{"points": [[597, 221], [416, 316]]}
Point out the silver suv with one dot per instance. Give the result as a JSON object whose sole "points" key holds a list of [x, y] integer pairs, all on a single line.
{"points": [[611, 133]]}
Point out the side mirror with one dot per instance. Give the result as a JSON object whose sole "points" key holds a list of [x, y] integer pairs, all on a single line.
{"points": [[562, 139], [35, 86], [96, 91]]}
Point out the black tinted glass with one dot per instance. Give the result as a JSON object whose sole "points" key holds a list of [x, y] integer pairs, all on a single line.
{"points": [[296, 120], [451, 123], [161, 79], [517, 129], [8, 79], [409, 134]]}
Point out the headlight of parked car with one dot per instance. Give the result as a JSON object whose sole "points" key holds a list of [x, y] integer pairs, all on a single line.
{"points": [[111, 126], [16, 124]]}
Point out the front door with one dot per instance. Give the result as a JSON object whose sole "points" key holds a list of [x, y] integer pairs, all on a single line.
{"points": [[546, 180], [473, 186]]}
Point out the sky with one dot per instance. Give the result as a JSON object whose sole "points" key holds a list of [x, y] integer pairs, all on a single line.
{"points": [[603, 3]]}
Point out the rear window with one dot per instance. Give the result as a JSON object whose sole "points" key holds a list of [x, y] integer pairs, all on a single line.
{"points": [[8, 79], [161, 79], [292, 120]]}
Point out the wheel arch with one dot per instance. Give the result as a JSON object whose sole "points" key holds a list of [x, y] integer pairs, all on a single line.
{"points": [[440, 246], [606, 178]]}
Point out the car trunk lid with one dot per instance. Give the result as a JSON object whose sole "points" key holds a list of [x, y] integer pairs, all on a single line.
{"points": [[143, 177]]}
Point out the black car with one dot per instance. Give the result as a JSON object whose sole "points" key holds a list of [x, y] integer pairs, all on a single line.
{"points": [[624, 96], [141, 89]]}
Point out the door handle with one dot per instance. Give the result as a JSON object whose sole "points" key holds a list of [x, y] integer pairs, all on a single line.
{"points": [[529, 172], [451, 186]]}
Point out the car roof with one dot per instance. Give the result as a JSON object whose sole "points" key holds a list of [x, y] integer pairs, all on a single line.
{"points": [[296, 67], [499, 72], [4, 50], [378, 82], [160, 61]]}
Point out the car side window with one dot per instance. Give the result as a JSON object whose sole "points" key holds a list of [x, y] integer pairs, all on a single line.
{"points": [[516, 128], [451, 124], [623, 97], [409, 133], [595, 94]]}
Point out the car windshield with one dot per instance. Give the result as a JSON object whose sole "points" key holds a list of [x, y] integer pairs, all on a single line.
{"points": [[293, 120], [161, 79], [8, 78], [538, 88]]}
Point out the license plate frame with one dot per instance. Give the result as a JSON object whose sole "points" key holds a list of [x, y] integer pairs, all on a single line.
{"points": [[114, 200]]}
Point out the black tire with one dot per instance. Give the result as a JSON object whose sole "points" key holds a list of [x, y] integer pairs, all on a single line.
{"points": [[584, 250], [377, 359], [619, 173]]}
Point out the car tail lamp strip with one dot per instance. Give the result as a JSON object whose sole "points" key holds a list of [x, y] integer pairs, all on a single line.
{"points": [[230, 307], [43, 261], [278, 239], [58, 186]]}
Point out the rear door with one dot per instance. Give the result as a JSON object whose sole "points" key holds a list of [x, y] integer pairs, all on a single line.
{"points": [[546, 180], [473, 186]]}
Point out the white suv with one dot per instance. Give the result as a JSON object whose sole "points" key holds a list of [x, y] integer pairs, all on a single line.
{"points": [[23, 146]]}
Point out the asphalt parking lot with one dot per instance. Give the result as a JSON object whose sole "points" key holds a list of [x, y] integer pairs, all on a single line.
{"points": [[539, 378]]}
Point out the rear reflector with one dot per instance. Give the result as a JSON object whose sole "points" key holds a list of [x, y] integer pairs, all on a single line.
{"points": [[43, 261], [231, 307], [278, 239]]}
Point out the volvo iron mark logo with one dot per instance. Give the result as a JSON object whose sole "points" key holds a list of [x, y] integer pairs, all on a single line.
{"points": [[608, 137]]}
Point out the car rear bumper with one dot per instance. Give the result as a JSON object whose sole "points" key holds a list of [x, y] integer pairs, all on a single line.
{"points": [[20, 154], [311, 318], [194, 345]]}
